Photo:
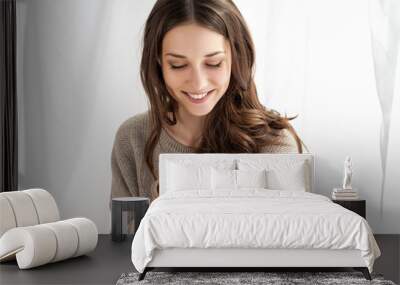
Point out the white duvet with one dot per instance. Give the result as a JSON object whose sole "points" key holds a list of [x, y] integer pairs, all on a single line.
{"points": [[251, 218]]}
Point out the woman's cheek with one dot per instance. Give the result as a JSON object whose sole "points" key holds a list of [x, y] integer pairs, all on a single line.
{"points": [[172, 81], [221, 78]]}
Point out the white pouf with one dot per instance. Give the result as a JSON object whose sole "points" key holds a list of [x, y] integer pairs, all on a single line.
{"points": [[31, 233]]}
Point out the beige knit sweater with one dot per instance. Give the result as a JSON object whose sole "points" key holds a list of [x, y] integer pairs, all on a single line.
{"points": [[130, 175]]}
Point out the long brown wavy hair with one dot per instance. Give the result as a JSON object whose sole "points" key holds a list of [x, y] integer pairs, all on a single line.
{"points": [[238, 123]]}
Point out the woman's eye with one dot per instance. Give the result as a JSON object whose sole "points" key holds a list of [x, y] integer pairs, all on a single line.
{"points": [[215, 65], [210, 65], [177, 67]]}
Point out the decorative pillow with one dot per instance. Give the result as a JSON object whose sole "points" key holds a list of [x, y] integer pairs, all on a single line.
{"points": [[223, 179], [293, 178], [251, 178], [181, 177], [229, 179]]}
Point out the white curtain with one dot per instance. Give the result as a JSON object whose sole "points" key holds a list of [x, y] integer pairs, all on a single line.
{"points": [[384, 19], [315, 58]]}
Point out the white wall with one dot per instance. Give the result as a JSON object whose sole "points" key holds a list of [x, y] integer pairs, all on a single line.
{"points": [[78, 72], [78, 80]]}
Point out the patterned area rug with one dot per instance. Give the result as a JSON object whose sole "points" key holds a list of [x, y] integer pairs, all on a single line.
{"points": [[229, 278]]}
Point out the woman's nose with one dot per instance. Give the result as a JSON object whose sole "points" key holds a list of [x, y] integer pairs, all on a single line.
{"points": [[198, 79]]}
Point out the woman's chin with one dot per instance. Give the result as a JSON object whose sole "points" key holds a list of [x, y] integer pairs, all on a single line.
{"points": [[199, 111]]}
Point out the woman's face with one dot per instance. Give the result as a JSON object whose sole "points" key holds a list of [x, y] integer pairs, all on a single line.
{"points": [[196, 65]]}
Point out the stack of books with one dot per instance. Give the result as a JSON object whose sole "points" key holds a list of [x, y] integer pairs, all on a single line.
{"points": [[344, 194]]}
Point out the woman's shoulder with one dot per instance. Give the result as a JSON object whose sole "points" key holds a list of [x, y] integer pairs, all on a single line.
{"points": [[134, 127], [288, 143]]}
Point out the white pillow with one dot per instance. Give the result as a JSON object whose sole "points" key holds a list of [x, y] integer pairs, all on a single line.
{"points": [[223, 179], [235, 179], [282, 173], [293, 178], [181, 177], [251, 178]]}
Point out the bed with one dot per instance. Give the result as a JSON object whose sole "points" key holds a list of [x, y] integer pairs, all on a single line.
{"points": [[247, 211]]}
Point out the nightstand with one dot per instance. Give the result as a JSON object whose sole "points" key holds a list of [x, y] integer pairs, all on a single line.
{"points": [[137, 205], [357, 206]]}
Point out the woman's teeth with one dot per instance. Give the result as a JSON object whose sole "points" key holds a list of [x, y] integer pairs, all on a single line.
{"points": [[197, 96]]}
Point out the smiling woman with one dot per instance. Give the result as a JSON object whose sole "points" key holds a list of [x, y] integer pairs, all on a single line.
{"points": [[197, 72]]}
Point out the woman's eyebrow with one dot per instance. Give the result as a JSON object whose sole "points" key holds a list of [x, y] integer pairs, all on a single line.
{"points": [[182, 56]]}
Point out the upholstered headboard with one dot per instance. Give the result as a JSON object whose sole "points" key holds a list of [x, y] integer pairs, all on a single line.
{"points": [[236, 161]]}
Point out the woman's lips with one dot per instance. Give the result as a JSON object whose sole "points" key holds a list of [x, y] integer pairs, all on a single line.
{"points": [[198, 101]]}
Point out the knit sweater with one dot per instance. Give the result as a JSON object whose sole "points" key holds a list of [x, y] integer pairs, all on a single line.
{"points": [[130, 174]]}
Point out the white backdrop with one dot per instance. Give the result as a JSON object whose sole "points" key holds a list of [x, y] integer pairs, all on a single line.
{"points": [[316, 59], [78, 72]]}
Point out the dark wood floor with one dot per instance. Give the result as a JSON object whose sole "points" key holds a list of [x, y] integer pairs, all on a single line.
{"points": [[110, 260], [389, 262]]}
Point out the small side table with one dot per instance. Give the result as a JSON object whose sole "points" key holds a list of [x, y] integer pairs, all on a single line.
{"points": [[137, 205], [357, 206]]}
